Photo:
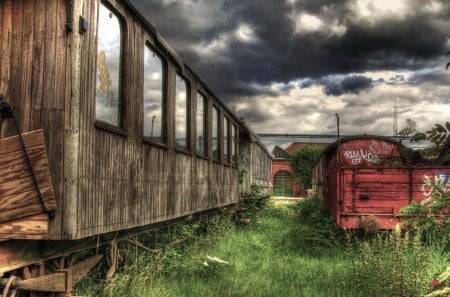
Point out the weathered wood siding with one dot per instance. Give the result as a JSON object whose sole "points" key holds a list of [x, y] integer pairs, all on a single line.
{"points": [[255, 168], [262, 168], [33, 46], [123, 181]]}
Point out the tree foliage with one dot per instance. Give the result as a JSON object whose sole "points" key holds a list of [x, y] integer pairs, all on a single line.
{"points": [[439, 136], [432, 212], [303, 161]]}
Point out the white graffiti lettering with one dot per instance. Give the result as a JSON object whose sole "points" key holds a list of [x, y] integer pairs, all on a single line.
{"points": [[357, 156], [431, 183]]}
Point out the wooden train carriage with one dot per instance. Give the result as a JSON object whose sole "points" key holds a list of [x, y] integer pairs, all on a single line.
{"points": [[256, 167], [365, 181], [133, 136]]}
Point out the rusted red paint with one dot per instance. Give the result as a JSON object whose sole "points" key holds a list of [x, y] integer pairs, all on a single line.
{"points": [[367, 176]]}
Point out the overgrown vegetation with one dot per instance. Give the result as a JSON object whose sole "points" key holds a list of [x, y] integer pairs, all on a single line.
{"points": [[303, 161], [285, 250]]}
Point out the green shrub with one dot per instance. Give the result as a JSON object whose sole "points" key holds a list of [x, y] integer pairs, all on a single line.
{"points": [[394, 264]]}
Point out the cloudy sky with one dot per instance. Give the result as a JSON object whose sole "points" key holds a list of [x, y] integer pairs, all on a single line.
{"points": [[287, 66]]}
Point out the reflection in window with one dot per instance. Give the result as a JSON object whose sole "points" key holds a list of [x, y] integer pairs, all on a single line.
{"points": [[234, 144], [225, 140], [109, 52], [153, 96], [181, 119], [200, 143], [215, 133]]}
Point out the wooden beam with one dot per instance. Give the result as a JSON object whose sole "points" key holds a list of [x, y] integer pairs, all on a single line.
{"points": [[33, 227]]}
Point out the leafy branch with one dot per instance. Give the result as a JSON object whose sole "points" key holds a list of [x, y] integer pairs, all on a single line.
{"points": [[439, 135]]}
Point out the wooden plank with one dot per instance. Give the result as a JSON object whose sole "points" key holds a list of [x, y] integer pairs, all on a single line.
{"points": [[377, 187], [16, 59], [401, 177], [17, 158], [33, 227], [27, 65], [18, 196], [374, 209], [24, 204], [5, 50], [21, 170], [12, 144], [24, 184]]}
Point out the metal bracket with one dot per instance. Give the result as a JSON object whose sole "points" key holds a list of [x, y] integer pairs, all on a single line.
{"points": [[69, 15], [6, 110]]}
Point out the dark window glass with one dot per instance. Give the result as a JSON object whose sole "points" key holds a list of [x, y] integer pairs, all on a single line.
{"points": [[181, 119], [200, 143], [153, 96], [109, 55], [215, 133]]}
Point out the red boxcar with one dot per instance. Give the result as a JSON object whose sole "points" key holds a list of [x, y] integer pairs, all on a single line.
{"points": [[364, 181]]}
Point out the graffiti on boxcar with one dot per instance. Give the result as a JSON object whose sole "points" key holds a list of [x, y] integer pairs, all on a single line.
{"points": [[439, 181], [356, 156]]}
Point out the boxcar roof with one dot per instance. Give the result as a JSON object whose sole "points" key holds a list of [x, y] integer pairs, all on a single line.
{"points": [[332, 147]]}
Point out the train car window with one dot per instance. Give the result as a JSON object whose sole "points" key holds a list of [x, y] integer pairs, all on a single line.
{"points": [[215, 133], [181, 113], [226, 140], [201, 124], [154, 116], [109, 69], [234, 144]]}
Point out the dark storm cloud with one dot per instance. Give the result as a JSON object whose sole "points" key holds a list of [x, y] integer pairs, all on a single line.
{"points": [[352, 84], [281, 54], [255, 114]]}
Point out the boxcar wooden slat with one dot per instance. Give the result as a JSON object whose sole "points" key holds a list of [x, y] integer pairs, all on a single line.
{"points": [[377, 187], [391, 177]]}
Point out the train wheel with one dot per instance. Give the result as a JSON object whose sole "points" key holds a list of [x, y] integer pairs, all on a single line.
{"points": [[370, 224]]}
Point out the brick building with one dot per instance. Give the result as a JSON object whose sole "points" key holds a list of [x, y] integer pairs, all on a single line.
{"points": [[283, 176]]}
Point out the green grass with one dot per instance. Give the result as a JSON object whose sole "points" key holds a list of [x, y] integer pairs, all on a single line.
{"points": [[286, 250]]}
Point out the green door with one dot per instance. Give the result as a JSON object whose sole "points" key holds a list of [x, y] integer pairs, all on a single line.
{"points": [[282, 184]]}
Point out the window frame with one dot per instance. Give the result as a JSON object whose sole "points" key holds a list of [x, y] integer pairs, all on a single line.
{"points": [[120, 128], [204, 123], [218, 129], [187, 149], [226, 142], [163, 58], [234, 144]]}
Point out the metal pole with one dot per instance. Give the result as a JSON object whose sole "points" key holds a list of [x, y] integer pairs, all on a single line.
{"points": [[339, 139], [153, 122]]}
